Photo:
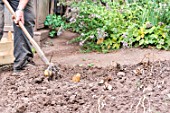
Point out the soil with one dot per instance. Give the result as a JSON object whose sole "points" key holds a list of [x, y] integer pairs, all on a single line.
{"points": [[125, 81]]}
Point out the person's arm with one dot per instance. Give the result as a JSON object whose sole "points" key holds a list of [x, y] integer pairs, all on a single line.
{"points": [[22, 4], [20, 11]]}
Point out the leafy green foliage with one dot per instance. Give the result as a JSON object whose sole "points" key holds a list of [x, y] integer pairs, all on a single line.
{"points": [[119, 24], [132, 24], [54, 22]]}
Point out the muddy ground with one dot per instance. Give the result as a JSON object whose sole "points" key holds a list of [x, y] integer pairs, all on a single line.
{"points": [[141, 87]]}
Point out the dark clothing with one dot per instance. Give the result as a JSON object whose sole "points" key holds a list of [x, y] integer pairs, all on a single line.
{"points": [[1, 18], [22, 46]]}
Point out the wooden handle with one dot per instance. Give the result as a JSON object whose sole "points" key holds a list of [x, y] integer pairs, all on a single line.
{"points": [[35, 45], [10, 36]]}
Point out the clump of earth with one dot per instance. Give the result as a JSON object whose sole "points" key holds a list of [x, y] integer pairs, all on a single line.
{"points": [[140, 88]]}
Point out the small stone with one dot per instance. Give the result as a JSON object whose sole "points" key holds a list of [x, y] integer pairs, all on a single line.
{"points": [[53, 103], [49, 91], [101, 82], [159, 86], [94, 96], [21, 109], [168, 96], [91, 85], [72, 98], [109, 87], [25, 100], [121, 74], [116, 65], [113, 97]]}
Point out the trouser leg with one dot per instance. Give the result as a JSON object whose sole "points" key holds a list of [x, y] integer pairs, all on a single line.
{"points": [[1, 18], [22, 46]]}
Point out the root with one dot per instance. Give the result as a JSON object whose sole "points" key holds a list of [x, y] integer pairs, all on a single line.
{"points": [[151, 71], [137, 106], [161, 68], [141, 102], [149, 106], [99, 104]]}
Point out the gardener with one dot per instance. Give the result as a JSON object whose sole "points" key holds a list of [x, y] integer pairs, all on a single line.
{"points": [[22, 47]]}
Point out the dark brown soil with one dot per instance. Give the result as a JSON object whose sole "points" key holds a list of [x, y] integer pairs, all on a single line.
{"points": [[141, 87]]}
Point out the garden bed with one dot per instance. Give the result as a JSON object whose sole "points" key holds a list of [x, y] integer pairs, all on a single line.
{"points": [[141, 88]]}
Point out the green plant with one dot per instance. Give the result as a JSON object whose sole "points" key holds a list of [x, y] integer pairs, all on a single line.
{"points": [[133, 23], [147, 35], [55, 23], [121, 25]]}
